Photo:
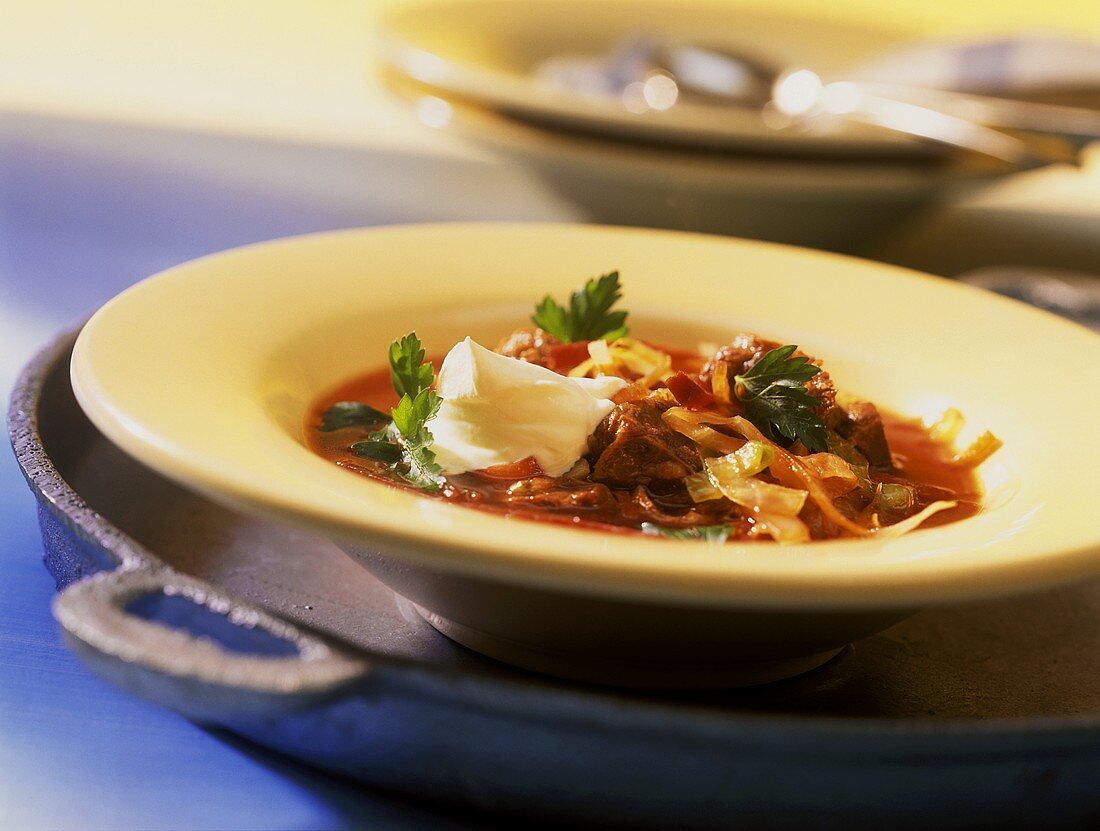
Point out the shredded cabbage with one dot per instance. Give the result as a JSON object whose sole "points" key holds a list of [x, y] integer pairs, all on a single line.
{"points": [[748, 460], [691, 424], [981, 449], [601, 357], [792, 471], [775, 508], [625, 357], [700, 488], [839, 476], [732, 476], [760, 496], [890, 532], [703, 417], [895, 498], [582, 369], [947, 429], [638, 356], [660, 372], [783, 529], [720, 382], [948, 426]]}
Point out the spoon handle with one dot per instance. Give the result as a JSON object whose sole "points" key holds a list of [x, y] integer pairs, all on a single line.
{"points": [[960, 132], [1077, 124]]}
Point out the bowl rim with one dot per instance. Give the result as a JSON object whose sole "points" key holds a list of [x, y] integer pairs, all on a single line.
{"points": [[621, 565]]}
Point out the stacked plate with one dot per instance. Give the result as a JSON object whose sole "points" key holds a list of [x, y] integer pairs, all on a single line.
{"points": [[498, 72]]}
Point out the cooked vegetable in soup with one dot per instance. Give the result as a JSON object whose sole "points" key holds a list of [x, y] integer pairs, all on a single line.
{"points": [[573, 421]]}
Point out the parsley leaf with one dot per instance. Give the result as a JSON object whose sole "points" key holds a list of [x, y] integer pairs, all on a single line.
{"points": [[411, 413], [379, 450], [408, 371], [351, 414], [553, 318], [589, 316], [412, 378], [716, 534], [775, 398]]}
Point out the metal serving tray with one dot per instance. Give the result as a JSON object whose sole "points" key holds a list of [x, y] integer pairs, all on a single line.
{"points": [[980, 715]]}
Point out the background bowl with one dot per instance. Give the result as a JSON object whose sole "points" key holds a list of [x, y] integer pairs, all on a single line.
{"points": [[205, 373], [490, 51], [839, 204]]}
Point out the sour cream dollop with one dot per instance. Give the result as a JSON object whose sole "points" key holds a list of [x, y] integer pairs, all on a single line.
{"points": [[498, 410]]}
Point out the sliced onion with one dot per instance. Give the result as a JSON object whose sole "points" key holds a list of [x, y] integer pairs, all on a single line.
{"points": [[981, 449], [948, 426], [896, 530]]}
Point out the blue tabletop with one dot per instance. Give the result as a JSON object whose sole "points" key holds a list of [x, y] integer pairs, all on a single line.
{"points": [[84, 212]]}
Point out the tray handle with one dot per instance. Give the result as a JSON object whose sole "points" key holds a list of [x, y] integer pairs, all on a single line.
{"points": [[183, 643]]}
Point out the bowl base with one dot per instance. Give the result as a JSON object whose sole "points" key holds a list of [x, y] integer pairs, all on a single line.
{"points": [[658, 675]]}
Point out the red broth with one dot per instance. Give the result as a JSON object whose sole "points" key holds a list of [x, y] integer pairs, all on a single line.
{"points": [[922, 461]]}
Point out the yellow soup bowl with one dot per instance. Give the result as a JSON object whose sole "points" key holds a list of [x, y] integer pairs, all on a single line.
{"points": [[206, 372]]}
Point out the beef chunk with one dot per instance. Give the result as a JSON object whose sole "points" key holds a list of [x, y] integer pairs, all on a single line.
{"points": [[821, 387], [639, 506], [862, 426], [740, 354], [745, 350], [633, 446], [531, 345], [559, 493]]}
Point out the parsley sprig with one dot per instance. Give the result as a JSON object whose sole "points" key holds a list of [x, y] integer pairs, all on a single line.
{"points": [[716, 534], [402, 439], [775, 398], [589, 316]]}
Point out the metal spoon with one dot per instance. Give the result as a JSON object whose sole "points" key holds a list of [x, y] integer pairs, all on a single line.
{"points": [[722, 73], [799, 96], [648, 74]]}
